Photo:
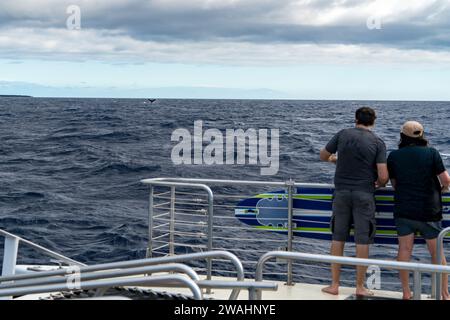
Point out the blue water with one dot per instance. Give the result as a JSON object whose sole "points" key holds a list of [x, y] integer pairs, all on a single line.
{"points": [[70, 168]]}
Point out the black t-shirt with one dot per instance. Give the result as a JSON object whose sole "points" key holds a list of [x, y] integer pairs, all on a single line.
{"points": [[417, 191], [359, 150]]}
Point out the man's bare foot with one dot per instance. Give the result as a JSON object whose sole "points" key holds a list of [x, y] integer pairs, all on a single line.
{"points": [[446, 296], [407, 296], [363, 292], [334, 290]]}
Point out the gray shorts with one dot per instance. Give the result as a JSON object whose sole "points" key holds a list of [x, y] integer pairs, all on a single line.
{"points": [[355, 208]]}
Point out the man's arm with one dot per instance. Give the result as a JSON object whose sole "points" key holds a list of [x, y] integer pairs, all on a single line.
{"points": [[444, 178], [393, 183], [327, 156], [383, 175], [382, 167], [391, 171]]}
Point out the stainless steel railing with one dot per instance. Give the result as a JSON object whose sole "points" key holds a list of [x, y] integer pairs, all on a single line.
{"points": [[417, 268], [117, 273], [178, 212], [168, 217], [56, 280], [61, 276], [165, 212], [107, 283], [202, 184], [172, 186], [173, 225], [11, 249], [439, 255]]}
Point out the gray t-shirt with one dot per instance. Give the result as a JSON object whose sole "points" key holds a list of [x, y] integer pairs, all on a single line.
{"points": [[359, 150]]}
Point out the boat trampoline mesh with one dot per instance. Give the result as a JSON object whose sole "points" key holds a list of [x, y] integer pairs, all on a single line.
{"points": [[131, 293]]}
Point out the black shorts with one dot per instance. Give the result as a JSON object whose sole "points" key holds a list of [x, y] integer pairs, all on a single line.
{"points": [[428, 230], [357, 208]]}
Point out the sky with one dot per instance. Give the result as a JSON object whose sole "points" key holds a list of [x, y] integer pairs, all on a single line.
{"points": [[268, 49]]}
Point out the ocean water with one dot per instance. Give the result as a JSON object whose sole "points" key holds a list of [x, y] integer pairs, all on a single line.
{"points": [[70, 168]]}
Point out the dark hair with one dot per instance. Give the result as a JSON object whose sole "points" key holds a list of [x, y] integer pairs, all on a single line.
{"points": [[406, 141], [365, 116]]}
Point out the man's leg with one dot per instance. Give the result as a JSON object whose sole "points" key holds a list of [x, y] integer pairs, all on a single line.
{"points": [[337, 249], [432, 247], [405, 247], [362, 251], [340, 228], [365, 229]]}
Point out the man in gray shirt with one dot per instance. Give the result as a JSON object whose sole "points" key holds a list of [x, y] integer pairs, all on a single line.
{"points": [[360, 169]]}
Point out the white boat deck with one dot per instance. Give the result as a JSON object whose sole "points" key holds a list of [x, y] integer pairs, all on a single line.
{"points": [[299, 291]]}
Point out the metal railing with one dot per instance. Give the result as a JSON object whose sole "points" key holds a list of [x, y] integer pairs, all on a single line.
{"points": [[173, 214], [168, 217], [56, 280], [134, 264], [439, 256], [251, 286], [100, 275], [174, 211], [107, 283], [205, 184], [11, 249], [113, 271], [206, 256], [417, 268], [172, 186]]}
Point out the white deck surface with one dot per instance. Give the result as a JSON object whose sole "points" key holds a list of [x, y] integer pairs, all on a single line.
{"points": [[299, 291]]}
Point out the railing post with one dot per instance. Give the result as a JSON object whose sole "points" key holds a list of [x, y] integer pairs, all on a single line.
{"points": [[10, 256], [290, 189], [172, 222], [417, 294], [210, 236], [150, 224], [439, 253], [433, 285], [252, 295]]}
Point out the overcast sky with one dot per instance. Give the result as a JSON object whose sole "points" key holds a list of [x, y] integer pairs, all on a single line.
{"points": [[304, 49]]}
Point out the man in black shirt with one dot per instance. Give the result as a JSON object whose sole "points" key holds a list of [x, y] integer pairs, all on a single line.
{"points": [[360, 168], [418, 175]]}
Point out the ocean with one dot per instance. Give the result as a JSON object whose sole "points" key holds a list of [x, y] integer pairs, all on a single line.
{"points": [[70, 168]]}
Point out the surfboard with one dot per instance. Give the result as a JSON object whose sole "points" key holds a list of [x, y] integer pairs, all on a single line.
{"points": [[312, 209]]}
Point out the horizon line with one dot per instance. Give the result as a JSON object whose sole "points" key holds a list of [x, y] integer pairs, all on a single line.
{"points": [[197, 98]]}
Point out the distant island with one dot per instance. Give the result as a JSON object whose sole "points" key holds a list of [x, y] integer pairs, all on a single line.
{"points": [[14, 96]]}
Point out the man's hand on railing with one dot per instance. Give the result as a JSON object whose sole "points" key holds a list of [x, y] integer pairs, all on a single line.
{"points": [[378, 185], [332, 159]]}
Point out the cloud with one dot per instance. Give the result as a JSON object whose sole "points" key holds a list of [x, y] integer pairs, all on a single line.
{"points": [[83, 90], [115, 47], [229, 31]]}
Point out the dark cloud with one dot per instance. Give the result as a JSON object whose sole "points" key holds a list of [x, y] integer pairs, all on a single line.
{"points": [[263, 21]]}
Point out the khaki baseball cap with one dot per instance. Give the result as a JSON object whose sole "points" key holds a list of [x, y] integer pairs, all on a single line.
{"points": [[412, 129]]}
